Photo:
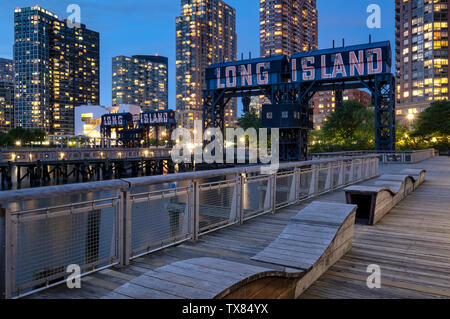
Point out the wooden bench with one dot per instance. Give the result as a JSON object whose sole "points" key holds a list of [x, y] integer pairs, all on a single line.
{"points": [[417, 174], [312, 241], [315, 239], [375, 201], [406, 181]]}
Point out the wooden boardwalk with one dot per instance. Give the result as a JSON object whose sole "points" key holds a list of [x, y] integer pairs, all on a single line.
{"points": [[411, 245]]}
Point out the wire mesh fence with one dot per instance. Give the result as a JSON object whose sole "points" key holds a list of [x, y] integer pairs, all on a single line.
{"points": [[285, 188], [256, 196], [42, 243], [218, 205], [306, 176], [159, 218]]}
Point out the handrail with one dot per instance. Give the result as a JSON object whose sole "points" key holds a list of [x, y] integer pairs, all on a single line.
{"points": [[413, 156], [124, 183], [370, 152]]}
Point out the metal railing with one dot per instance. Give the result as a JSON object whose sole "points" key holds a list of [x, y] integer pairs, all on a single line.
{"points": [[391, 157], [102, 224], [72, 154]]}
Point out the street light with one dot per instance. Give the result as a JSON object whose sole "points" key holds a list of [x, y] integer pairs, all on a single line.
{"points": [[411, 116]]}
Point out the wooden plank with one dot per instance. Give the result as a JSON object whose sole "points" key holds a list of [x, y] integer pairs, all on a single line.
{"points": [[115, 295], [281, 261], [185, 280], [117, 274], [226, 265], [171, 288], [445, 293], [139, 292], [199, 275]]}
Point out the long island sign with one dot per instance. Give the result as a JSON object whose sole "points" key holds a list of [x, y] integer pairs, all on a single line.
{"points": [[338, 63]]}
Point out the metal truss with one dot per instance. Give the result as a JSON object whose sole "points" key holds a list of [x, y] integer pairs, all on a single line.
{"points": [[294, 142]]}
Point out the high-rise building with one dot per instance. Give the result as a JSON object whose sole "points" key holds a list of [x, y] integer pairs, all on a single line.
{"points": [[206, 34], [6, 95], [288, 26], [421, 55], [325, 103], [6, 70], [141, 80], [57, 68]]}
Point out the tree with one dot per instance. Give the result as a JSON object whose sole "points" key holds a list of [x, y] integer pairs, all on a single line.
{"points": [[406, 141], [250, 119], [24, 136], [434, 121], [6, 140], [351, 126], [38, 135]]}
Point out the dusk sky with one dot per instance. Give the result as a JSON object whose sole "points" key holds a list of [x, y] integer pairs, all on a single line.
{"points": [[129, 27]]}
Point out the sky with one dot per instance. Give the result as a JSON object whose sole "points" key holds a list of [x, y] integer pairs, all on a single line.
{"points": [[147, 27]]}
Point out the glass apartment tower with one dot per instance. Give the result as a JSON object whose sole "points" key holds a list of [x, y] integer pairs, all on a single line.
{"points": [[56, 69], [421, 55], [288, 26], [140, 80], [205, 34], [6, 95]]}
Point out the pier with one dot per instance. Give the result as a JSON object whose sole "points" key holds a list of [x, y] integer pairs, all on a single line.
{"points": [[410, 244]]}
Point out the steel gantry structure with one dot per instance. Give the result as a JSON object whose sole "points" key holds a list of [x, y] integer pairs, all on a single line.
{"points": [[291, 82]]}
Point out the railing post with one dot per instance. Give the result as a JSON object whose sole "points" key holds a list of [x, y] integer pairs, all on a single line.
{"points": [[268, 197], [3, 253], [236, 207], [274, 192], [329, 180], [125, 228], [10, 255], [367, 168], [352, 172], [376, 167], [241, 179], [296, 184], [359, 171], [341, 180], [196, 210], [314, 185]]}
